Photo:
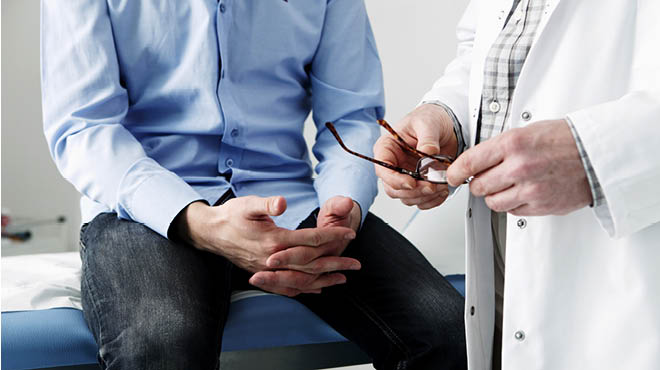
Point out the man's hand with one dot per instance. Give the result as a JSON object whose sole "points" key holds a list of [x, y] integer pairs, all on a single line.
{"points": [[530, 171], [336, 212], [430, 129], [242, 231]]}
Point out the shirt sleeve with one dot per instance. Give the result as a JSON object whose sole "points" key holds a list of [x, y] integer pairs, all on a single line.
{"points": [[596, 190], [84, 104], [347, 90]]}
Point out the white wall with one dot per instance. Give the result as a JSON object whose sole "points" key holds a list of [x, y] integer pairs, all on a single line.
{"points": [[415, 39]]}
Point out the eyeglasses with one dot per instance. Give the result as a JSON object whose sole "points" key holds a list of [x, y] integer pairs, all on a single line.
{"points": [[431, 168]]}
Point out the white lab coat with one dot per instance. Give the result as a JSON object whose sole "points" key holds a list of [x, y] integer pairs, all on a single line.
{"points": [[582, 290]]}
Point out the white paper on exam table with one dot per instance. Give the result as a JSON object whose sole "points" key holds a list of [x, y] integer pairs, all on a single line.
{"points": [[41, 281]]}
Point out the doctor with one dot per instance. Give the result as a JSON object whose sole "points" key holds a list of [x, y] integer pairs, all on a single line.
{"points": [[559, 105]]}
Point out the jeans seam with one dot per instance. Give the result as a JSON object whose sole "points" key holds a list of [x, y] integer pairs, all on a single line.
{"points": [[95, 310], [223, 320], [387, 331]]}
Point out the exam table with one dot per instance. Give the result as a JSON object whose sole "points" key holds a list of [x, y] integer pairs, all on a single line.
{"points": [[262, 331]]}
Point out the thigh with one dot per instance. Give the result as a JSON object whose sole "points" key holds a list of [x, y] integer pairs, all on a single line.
{"points": [[397, 308], [149, 302]]}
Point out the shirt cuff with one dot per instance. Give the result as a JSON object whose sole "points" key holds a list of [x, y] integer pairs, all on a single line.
{"points": [[458, 129], [159, 199], [596, 190]]}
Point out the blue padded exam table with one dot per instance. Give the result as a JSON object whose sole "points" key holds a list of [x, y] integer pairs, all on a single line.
{"points": [[260, 330]]}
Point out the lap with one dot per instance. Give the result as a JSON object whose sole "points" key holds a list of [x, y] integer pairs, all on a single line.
{"points": [[397, 303], [139, 288]]}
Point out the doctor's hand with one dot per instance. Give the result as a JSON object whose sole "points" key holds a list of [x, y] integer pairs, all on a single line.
{"points": [[430, 129], [336, 212], [243, 231], [531, 171]]}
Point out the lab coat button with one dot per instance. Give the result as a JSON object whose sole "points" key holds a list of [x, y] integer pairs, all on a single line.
{"points": [[526, 116], [522, 223], [494, 107], [469, 213], [229, 162], [472, 311], [519, 335]]}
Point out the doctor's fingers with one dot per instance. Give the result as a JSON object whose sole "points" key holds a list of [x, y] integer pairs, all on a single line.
{"points": [[422, 189], [493, 180], [388, 151], [434, 202], [506, 200], [421, 201], [475, 161]]}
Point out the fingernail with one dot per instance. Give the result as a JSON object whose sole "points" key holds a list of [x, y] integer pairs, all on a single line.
{"points": [[275, 263], [341, 280], [259, 281], [407, 186], [356, 266], [427, 191], [349, 236]]}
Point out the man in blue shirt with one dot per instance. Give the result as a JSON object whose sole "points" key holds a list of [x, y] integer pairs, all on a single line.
{"points": [[181, 124]]}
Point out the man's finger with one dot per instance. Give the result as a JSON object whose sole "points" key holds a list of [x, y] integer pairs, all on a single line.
{"points": [[337, 207], [300, 281], [327, 264], [314, 237], [294, 256], [258, 207], [474, 161]]}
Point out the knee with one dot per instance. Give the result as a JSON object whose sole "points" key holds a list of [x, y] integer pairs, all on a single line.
{"points": [[162, 340]]}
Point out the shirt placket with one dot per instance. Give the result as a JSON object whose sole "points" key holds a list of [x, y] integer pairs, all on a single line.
{"points": [[230, 154]]}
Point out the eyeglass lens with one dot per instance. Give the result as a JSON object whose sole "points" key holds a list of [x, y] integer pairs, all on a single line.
{"points": [[432, 170]]}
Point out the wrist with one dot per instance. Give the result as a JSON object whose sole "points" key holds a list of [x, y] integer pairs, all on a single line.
{"points": [[186, 225]]}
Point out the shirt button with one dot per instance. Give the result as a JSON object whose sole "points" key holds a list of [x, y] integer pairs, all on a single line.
{"points": [[522, 223], [494, 107], [519, 335], [469, 213], [234, 133], [472, 311], [222, 8], [526, 116], [222, 74], [229, 162]]}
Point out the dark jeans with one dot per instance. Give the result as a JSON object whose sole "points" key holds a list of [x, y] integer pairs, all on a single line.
{"points": [[154, 304]]}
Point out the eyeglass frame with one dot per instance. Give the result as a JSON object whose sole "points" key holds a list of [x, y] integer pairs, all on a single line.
{"points": [[444, 159]]}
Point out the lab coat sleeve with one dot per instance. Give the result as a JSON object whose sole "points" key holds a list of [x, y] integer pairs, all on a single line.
{"points": [[84, 104], [347, 89], [453, 87], [622, 137]]}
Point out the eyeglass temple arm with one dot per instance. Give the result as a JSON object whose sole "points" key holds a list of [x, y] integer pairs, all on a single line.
{"points": [[332, 129]]}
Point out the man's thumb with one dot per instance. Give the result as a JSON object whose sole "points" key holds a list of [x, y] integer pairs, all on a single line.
{"points": [[272, 206]]}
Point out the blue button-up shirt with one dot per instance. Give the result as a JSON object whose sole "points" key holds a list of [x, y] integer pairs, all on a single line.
{"points": [[147, 103]]}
